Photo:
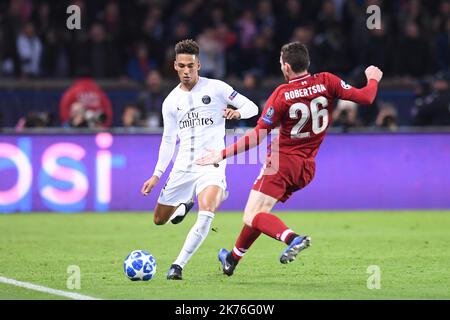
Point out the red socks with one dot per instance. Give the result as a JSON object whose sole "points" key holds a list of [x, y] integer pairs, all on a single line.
{"points": [[266, 223], [246, 238], [272, 226]]}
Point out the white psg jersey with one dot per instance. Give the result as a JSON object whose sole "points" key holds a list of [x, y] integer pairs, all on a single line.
{"points": [[196, 117]]}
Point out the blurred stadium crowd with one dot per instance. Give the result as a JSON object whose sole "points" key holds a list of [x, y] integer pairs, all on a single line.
{"points": [[239, 41]]}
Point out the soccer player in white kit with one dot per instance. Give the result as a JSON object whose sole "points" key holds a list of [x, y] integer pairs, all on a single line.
{"points": [[195, 111]]}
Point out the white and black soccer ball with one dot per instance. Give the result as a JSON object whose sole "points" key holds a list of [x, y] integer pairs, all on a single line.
{"points": [[139, 265]]}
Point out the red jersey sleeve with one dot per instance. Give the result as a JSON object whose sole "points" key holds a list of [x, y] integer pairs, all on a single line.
{"points": [[272, 112], [344, 91], [270, 118]]}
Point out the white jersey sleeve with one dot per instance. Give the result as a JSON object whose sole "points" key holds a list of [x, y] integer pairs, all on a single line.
{"points": [[168, 140], [246, 107]]}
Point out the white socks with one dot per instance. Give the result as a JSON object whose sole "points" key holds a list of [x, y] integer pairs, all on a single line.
{"points": [[195, 237]]}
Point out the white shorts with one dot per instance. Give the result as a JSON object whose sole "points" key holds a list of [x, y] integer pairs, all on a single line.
{"points": [[181, 186]]}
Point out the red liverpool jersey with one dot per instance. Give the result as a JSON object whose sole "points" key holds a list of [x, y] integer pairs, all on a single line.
{"points": [[302, 107]]}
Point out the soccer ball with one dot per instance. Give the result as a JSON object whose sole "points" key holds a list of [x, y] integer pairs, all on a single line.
{"points": [[139, 265]]}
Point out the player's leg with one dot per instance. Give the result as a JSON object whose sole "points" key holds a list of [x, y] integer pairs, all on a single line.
{"points": [[257, 218], [274, 227], [162, 213], [267, 190], [209, 199], [175, 199], [175, 214], [294, 174], [181, 211], [257, 202]]}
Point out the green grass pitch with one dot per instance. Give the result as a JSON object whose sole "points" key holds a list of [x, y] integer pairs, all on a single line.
{"points": [[411, 248]]}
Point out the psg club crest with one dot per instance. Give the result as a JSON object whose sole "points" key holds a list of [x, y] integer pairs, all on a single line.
{"points": [[206, 99]]}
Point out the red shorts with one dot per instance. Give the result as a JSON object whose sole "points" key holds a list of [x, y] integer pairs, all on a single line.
{"points": [[280, 178]]}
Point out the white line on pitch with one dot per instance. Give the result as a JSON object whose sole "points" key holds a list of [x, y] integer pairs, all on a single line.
{"points": [[35, 287]]}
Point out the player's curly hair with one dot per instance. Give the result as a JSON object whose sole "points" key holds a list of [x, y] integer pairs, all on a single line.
{"points": [[296, 54], [187, 46]]}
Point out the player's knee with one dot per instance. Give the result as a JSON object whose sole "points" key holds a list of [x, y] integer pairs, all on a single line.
{"points": [[247, 220], [249, 214], [158, 220], [206, 206]]}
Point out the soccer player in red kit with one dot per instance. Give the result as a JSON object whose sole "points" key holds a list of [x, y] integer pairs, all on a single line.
{"points": [[302, 108]]}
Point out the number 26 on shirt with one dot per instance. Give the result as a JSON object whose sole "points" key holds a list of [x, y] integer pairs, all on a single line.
{"points": [[309, 112]]}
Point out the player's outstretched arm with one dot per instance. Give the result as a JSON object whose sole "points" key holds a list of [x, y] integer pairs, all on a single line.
{"points": [[268, 121], [248, 141], [364, 95]]}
